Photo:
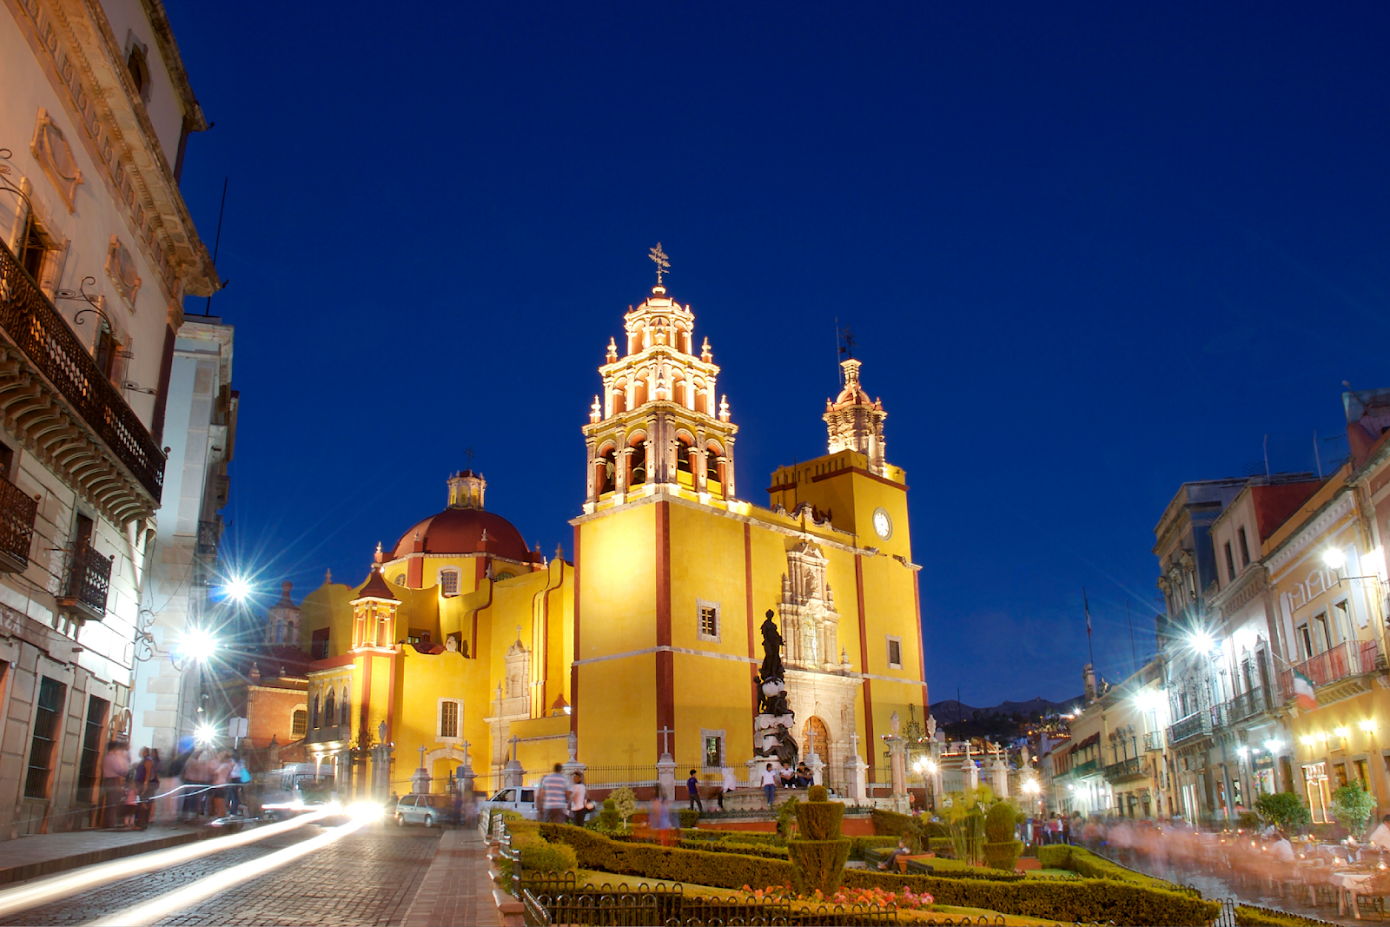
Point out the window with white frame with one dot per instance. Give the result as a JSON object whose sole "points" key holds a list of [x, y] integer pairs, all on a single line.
{"points": [[711, 749], [895, 652], [707, 618], [449, 711], [299, 723], [448, 582]]}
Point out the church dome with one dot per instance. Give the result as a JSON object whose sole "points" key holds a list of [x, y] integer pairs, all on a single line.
{"points": [[460, 531]]}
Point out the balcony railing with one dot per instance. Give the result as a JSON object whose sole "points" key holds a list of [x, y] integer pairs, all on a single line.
{"points": [[1124, 770], [16, 527], [88, 581], [1349, 658], [1194, 725], [1088, 768], [32, 323], [1153, 740], [209, 534], [329, 733], [1246, 705]]}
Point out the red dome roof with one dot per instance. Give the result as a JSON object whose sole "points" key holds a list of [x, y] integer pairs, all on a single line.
{"points": [[460, 531]]}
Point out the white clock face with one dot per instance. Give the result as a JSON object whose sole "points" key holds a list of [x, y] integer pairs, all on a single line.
{"points": [[883, 525]]}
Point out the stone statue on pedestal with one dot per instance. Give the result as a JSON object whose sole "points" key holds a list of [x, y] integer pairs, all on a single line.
{"points": [[775, 725]]}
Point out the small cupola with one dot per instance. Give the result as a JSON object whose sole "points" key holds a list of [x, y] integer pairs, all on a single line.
{"points": [[466, 490]]}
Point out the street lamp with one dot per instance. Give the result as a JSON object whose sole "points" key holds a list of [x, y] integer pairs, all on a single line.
{"points": [[237, 588], [204, 734], [198, 645]]}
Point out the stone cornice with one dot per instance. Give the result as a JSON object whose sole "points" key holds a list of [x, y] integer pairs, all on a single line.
{"points": [[1317, 524], [73, 42], [1250, 583]]}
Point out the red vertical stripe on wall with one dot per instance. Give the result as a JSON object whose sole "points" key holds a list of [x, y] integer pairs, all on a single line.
{"points": [[665, 660], [748, 585], [864, 665]]}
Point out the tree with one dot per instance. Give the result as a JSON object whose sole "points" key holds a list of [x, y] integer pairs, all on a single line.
{"points": [[1353, 806], [625, 802], [1283, 809]]}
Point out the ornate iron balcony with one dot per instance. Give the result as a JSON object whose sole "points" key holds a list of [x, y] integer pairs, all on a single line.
{"points": [[1153, 740], [16, 527], [1349, 658], [1124, 770], [1246, 705], [88, 582], [36, 328], [209, 534], [1194, 725]]}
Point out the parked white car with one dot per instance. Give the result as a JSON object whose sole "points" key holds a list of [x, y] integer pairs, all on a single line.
{"points": [[522, 801], [429, 810]]}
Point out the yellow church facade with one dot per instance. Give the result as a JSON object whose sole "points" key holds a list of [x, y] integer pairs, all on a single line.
{"points": [[463, 645]]}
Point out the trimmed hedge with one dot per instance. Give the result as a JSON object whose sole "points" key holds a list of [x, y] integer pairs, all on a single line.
{"points": [[1247, 916], [1083, 900], [722, 870], [819, 820], [858, 845], [728, 846], [891, 824], [819, 864], [1087, 901], [689, 817], [1090, 866]]}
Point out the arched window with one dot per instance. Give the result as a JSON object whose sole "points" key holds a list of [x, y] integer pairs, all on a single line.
{"points": [[638, 462], [139, 70], [449, 582], [683, 454], [345, 709], [399, 580], [314, 712], [330, 716], [606, 474], [712, 463]]}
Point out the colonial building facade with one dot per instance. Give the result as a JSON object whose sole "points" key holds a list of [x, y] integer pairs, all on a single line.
{"points": [[97, 251]]}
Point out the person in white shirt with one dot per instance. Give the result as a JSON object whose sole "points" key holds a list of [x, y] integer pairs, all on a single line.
{"points": [[769, 784], [1282, 849], [1381, 835]]}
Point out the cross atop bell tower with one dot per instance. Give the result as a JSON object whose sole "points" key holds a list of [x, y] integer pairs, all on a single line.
{"points": [[660, 421]]}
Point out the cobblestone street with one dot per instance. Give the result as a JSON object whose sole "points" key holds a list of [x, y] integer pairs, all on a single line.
{"points": [[366, 878]]}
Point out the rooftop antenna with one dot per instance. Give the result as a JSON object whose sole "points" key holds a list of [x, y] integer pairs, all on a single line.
{"points": [[839, 371], [217, 243], [1316, 455], [1266, 456], [1133, 653]]}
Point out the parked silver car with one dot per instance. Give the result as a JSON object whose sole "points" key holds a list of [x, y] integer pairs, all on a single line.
{"points": [[428, 810], [522, 801]]}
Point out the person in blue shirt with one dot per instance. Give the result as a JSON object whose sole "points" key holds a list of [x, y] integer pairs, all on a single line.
{"points": [[692, 786]]}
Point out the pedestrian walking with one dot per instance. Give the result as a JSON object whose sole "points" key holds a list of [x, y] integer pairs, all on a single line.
{"points": [[114, 767], [553, 797], [221, 775], [239, 775], [692, 789], [729, 784], [146, 778], [769, 784], [659, 818], [580, 806]]}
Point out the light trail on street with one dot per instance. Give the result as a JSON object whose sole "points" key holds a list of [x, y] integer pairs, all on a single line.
{"points": [[59, 887], [149, 912]]}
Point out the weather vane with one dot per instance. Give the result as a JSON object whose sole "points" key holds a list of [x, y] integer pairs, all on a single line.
{"points": [[663, 264], [848, 346]]}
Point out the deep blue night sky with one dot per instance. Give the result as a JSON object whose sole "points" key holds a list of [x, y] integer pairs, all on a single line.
{"points": [[1088, 251]]}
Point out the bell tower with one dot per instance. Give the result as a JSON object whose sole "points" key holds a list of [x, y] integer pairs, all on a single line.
{"points": [[657, 422], [855, 423]]}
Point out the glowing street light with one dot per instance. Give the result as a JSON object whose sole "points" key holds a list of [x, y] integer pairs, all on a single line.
{"points": [[1273, 746], [1366, 725], [204, 734], [1334, 558], [198, 644], [1032, 787], [237, 588]]}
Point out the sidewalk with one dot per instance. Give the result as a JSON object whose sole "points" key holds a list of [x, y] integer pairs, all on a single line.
{"points": [[44, 854], [457, 889]]}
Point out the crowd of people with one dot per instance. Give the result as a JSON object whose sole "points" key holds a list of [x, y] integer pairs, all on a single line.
{"points": [[195, 785]]}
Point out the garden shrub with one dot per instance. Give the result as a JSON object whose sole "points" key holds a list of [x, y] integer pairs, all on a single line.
{"points": [[609, 818], [785, 812], [1001, 847], [819, 820], [1084, 900], [817, 793], [818, 864], [728, 846], [689, 817], [624, 802], [858, 845], [1087, 901], [1352, 805], [1090, 866], [891, 824], [1247, 916], [540, 855]]}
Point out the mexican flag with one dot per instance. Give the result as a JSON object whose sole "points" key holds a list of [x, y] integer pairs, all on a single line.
{"points": [[1303, 691]]}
